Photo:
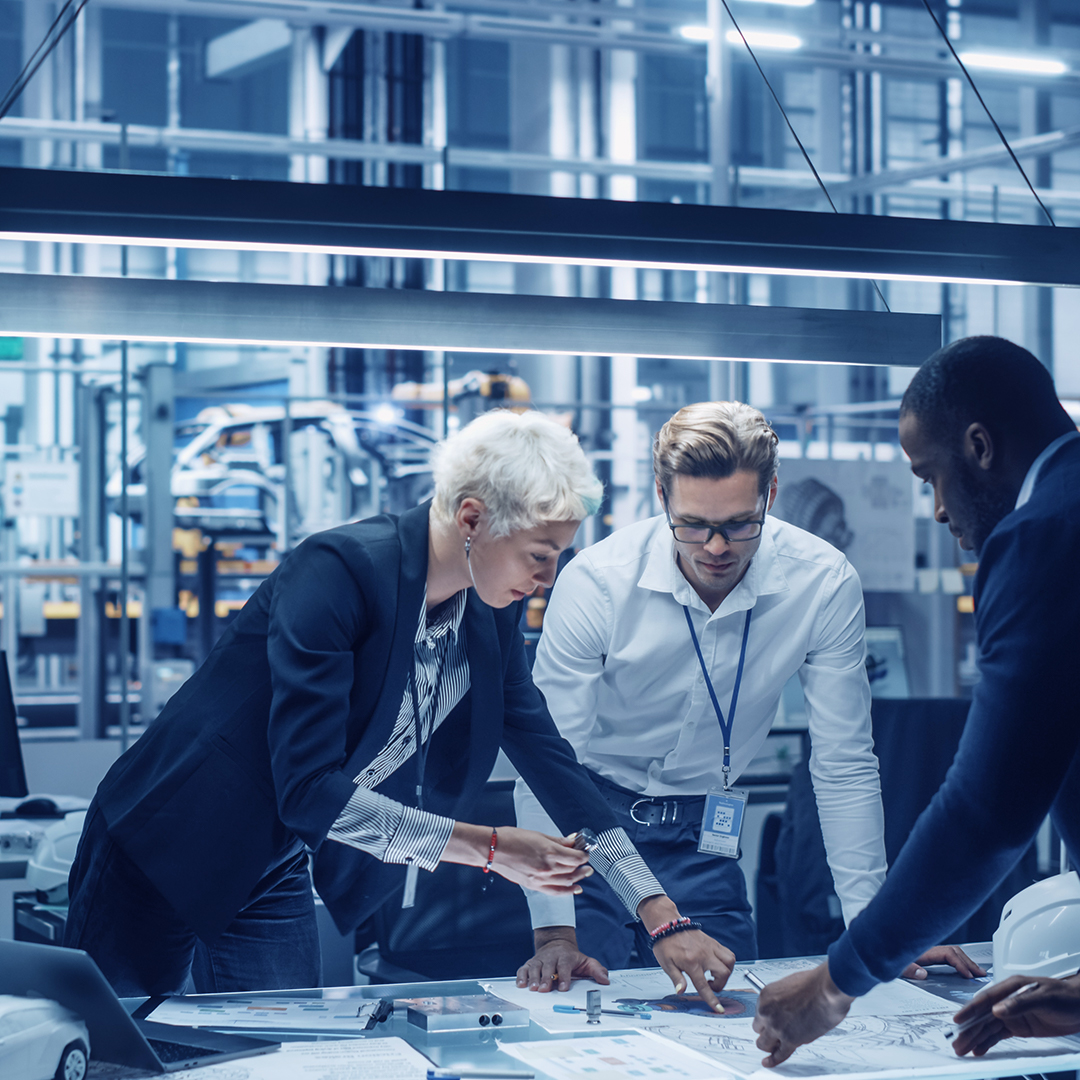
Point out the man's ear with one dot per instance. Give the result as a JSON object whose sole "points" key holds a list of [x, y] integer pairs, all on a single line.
{"points": [[978, 447], [771, 497]]}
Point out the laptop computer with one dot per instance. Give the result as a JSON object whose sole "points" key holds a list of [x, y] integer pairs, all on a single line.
{"points": [[71, 977]]}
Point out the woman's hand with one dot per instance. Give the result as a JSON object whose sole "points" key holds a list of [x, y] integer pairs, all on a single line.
{"points": [[546, 864], [1020, 1006], [558, 960]]}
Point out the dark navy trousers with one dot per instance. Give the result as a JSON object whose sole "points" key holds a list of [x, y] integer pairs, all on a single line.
{"points": [[707, 888], [144, 948]]}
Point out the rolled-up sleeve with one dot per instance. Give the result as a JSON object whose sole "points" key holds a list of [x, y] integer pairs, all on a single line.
{"points": [[391, 831], [844, 768]]}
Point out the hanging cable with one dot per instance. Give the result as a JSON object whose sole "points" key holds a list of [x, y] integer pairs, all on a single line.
{"points": [[40, 54], [986, 109], [794, 134]]}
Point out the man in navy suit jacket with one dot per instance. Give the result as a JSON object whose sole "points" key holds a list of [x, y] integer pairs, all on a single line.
{"points": [[982, 424]]}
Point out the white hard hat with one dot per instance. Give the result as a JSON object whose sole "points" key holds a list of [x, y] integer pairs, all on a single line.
{"points": [[1039, 933], [50, 864]]}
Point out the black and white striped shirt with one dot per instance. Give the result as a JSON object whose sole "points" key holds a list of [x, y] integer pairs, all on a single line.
{"points": [[395, 833], [385, 828]]}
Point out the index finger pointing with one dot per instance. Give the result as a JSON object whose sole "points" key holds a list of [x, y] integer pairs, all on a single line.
{"points": [[702, 986]]}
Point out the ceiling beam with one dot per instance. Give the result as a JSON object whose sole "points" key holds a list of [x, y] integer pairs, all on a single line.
{"points": [[992, 156], [235, 313], [617, 33]]}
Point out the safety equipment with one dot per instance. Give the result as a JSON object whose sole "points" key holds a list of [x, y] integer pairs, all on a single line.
{"points": [[50, 864], [1039, 933]]}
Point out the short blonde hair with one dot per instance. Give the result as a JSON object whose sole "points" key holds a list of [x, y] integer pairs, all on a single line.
{"points": [[524, 468], [715, 439]]}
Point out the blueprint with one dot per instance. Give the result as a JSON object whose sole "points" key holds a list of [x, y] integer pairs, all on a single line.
{"points": [[649, 990], [877, 1047]]}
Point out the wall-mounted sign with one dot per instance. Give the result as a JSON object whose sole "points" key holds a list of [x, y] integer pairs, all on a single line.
{"points": [[50, 487]]}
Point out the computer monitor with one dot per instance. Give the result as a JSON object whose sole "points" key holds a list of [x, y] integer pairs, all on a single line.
{"points": [[12, 773]]}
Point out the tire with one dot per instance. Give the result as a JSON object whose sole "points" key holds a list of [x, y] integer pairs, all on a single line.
{"points": [[72, 1062]]}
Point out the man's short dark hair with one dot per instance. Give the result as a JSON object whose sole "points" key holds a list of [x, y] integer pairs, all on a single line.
{"points": [[981, 379]]}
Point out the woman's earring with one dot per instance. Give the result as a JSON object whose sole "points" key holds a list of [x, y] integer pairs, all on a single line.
{"points": [[468, 545]]}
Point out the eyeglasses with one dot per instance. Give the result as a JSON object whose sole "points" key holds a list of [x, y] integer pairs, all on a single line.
{"points": [[733, 532]]}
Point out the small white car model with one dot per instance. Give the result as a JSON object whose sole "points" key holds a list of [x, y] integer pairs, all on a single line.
{"points": [[41, 1040]]}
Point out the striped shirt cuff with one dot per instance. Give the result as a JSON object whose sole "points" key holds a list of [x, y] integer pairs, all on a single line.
{"points": [[617, 861], [390, 831]]}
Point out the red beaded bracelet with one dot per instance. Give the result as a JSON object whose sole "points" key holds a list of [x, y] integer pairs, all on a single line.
{"points": [[663, 928], [491, 850]]}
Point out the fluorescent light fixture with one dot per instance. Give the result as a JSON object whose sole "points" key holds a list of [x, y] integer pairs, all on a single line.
{"points": [[510, 257], [765, 39], [231, 215], [787, 3], [694, 32], [1028, 65], [242, 313]]}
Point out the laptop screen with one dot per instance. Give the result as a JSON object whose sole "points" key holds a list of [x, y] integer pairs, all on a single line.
{"points": [[12, 774]]}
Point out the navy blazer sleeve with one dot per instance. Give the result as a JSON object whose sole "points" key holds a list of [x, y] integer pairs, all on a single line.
{"points": [[1019, 745], [543, 757], [318, 616]]}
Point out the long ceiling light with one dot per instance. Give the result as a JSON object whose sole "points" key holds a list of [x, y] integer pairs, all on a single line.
{"points": [[240, 313], [1029, 65], [257, 215]]}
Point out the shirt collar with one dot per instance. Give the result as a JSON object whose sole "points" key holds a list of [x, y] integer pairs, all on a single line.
{"points": [[763, 576], [447, 621], [1032, 477]]}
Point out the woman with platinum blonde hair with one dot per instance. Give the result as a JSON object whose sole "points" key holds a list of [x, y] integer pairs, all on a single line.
{"points": [[356, 702]]}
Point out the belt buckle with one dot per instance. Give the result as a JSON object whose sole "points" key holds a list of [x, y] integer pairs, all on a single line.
{"points": [[664, 804]]}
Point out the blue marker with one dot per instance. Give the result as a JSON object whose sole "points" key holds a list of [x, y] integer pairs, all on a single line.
{"points": [[624, 1013]]}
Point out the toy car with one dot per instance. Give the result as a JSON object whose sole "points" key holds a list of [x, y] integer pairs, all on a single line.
{"points": [[41, 1040]]}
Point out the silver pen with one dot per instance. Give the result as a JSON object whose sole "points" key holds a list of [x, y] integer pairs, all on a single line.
{"points": [[753, 979]]}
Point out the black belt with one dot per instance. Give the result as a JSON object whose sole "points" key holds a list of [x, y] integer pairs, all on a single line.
{"points": [[650, 810]]}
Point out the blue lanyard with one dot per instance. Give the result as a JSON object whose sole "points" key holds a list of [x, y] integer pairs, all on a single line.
{"points": [[725, 725]]}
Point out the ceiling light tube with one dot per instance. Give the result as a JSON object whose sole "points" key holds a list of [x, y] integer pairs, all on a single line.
{"points": [[255, 215], [235, 313], [1029, 65], [765, 39]]}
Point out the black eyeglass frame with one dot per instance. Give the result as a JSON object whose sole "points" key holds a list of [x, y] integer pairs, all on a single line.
{"points": [[713, 529]]}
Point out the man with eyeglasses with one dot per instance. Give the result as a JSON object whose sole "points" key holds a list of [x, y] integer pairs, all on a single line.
{"points": [[665, 651]]}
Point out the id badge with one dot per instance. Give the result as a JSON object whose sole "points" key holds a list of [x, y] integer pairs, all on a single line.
{"points": [[408, 898], [722, 822]]}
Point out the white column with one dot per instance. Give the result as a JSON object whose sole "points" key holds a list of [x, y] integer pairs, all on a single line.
{"points": [[308, 103], [621, 116], [718, 91], [37, 98], [308, 119]]}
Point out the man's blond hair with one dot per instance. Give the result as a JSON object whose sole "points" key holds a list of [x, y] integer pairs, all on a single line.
{"points": [[715, 439]]}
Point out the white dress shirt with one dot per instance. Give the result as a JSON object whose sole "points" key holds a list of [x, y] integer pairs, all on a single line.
{"points": [[623, 683]]}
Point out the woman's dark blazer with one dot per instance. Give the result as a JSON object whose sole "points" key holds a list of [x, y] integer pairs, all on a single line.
{"points": [[261, 745]]}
